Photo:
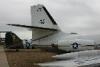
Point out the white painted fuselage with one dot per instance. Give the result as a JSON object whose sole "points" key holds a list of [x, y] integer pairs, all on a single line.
{"points": [[65, 41]]}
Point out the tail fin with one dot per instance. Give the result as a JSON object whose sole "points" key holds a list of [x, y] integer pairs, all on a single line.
{"points": [[42, 18]]}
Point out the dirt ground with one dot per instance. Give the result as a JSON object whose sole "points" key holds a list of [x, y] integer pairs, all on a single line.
{"points": [[27, 57]]}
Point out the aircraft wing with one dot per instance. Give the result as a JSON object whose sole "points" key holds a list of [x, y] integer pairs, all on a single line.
{"points": [[58, 64], [26, 26], [79, 62], [89, 58]]}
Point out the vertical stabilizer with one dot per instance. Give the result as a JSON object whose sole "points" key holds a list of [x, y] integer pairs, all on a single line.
{"points": [[42, 18]]}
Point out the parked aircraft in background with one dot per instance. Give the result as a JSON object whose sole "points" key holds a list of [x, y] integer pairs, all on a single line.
{"points": [[90, 58], [45, 32], [12, 41]]}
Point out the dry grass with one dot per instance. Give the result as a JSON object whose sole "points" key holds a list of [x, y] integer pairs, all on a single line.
{"points": [[27, 58]]}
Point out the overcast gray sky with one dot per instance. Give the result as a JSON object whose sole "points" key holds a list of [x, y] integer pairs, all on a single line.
{"points": [[81, 16]]}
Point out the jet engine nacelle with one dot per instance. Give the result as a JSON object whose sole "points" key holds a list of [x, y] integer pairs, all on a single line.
{"points": [[77, 44]]}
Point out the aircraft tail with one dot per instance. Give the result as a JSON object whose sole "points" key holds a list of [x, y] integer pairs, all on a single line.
{"points": [[42, 18]]}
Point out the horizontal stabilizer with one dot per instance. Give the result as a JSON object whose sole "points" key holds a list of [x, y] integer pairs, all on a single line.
{"points": [[26, 26]]}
